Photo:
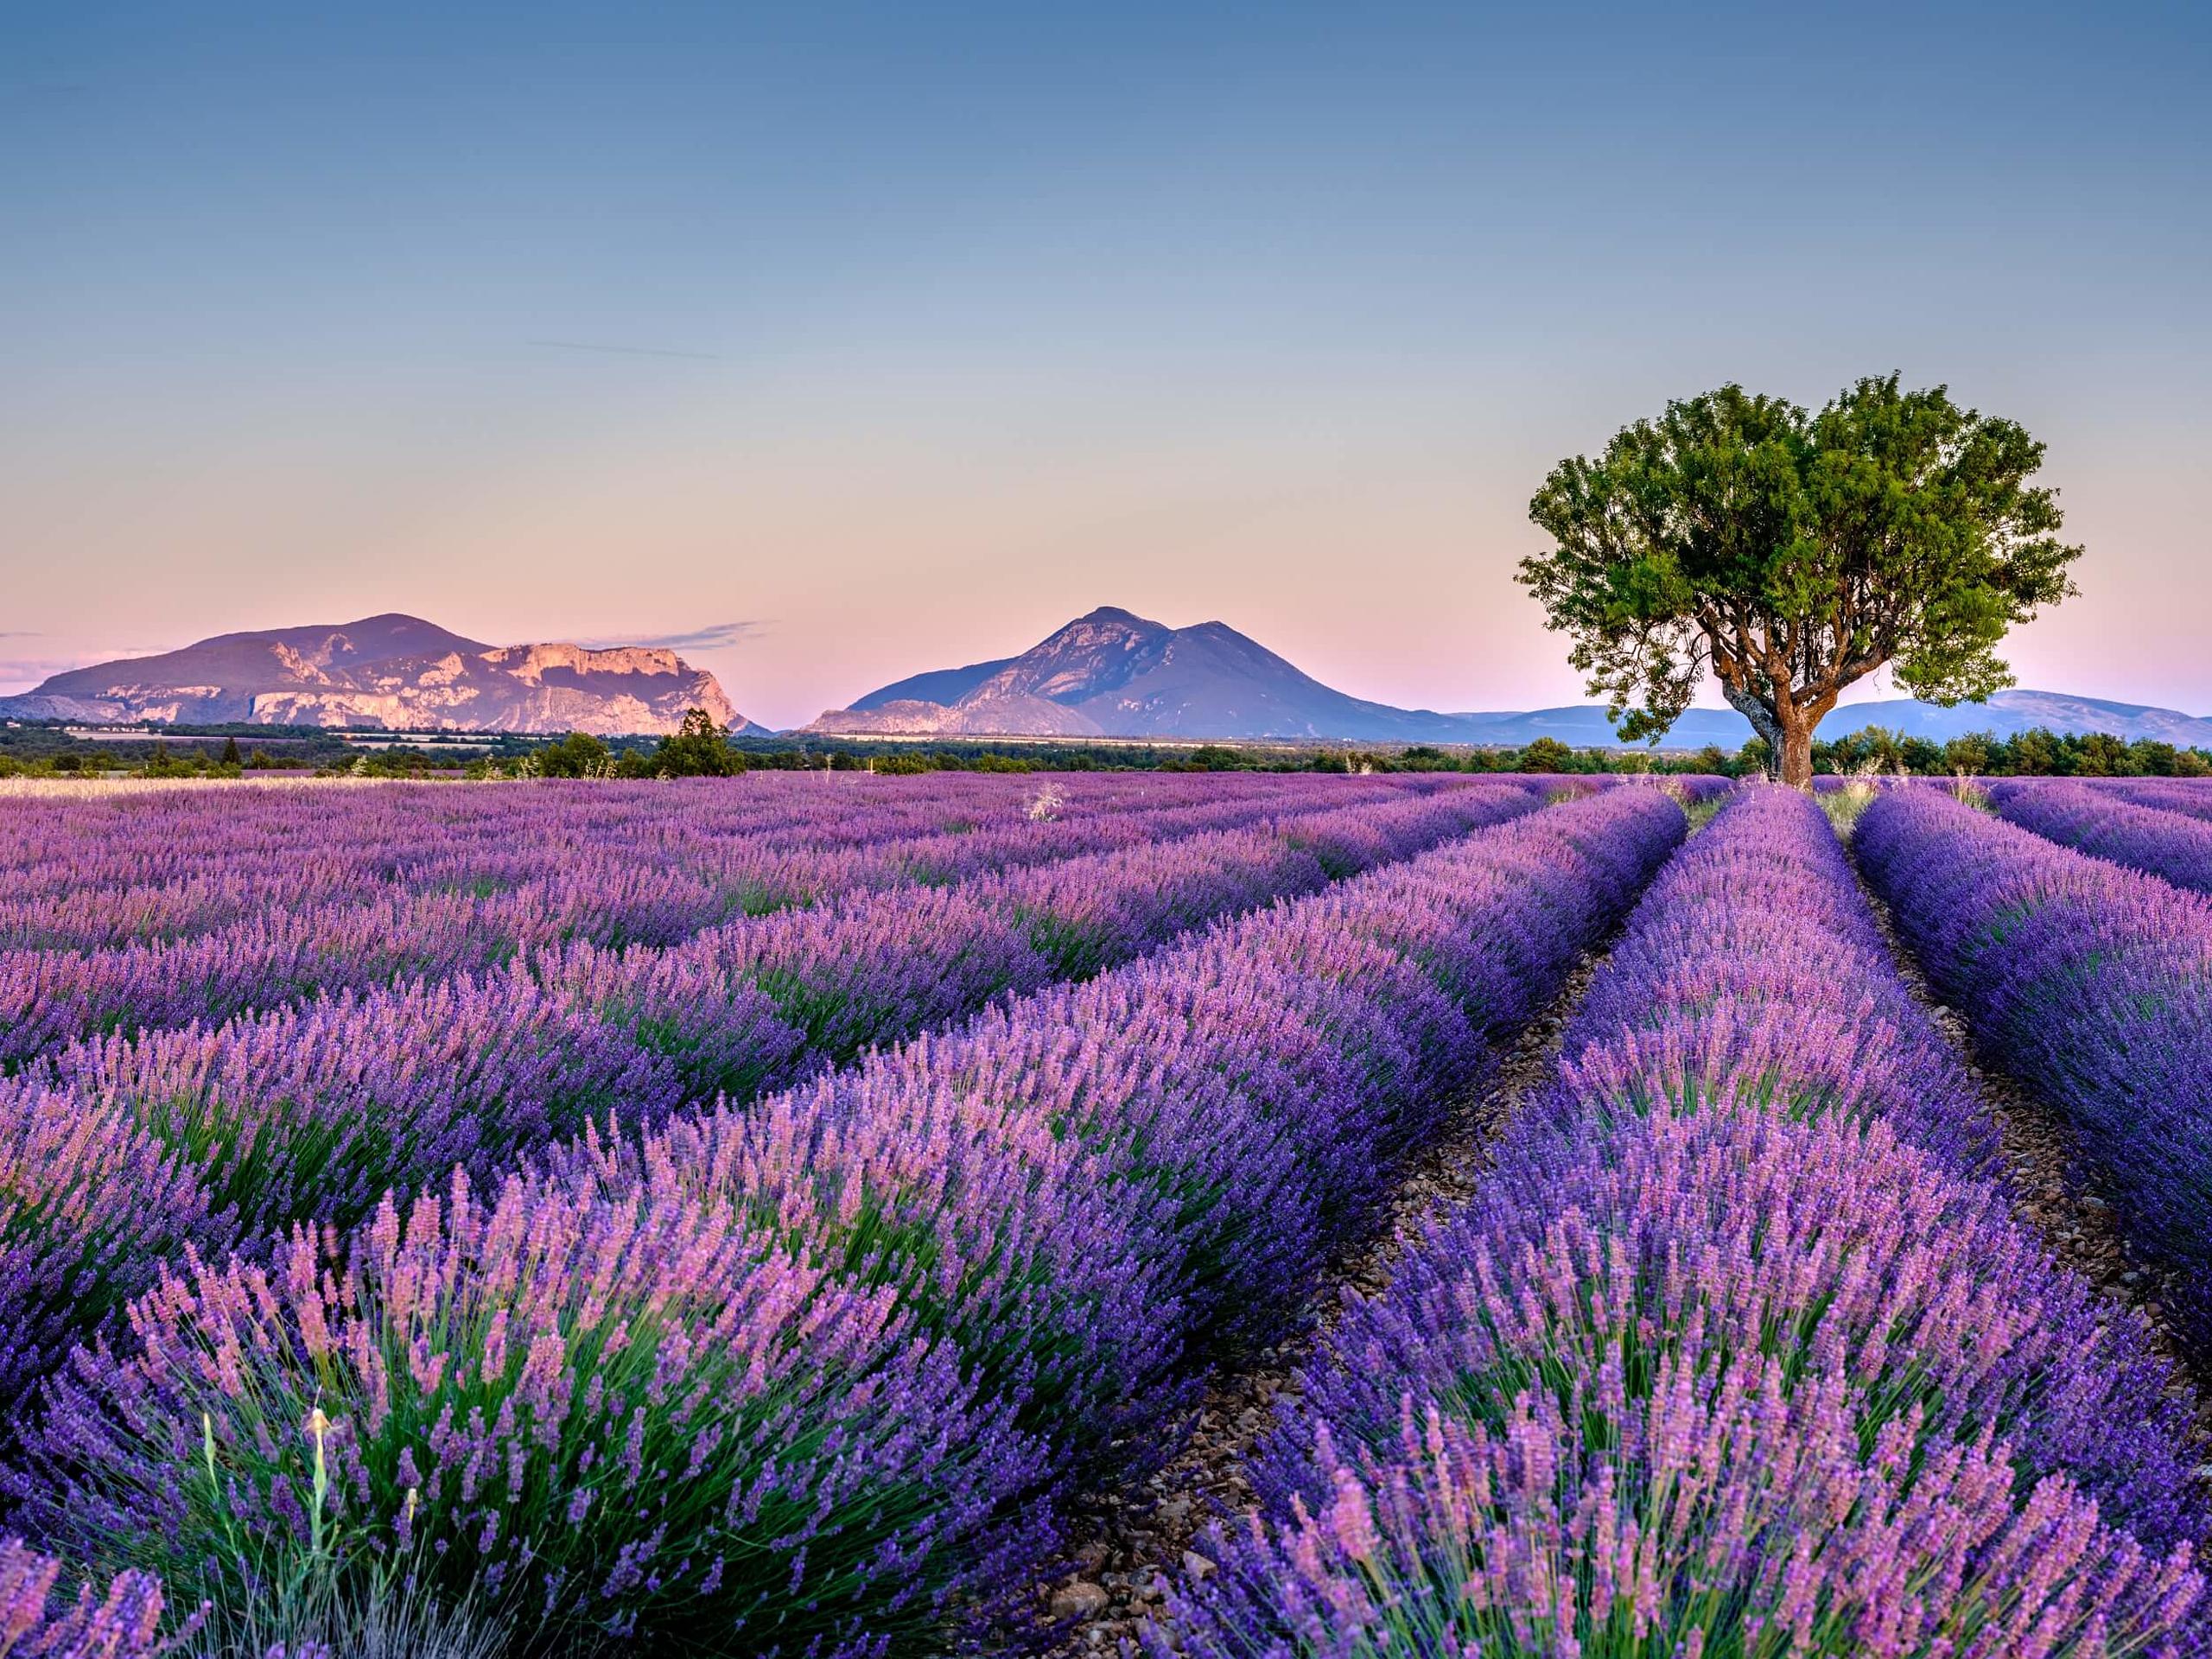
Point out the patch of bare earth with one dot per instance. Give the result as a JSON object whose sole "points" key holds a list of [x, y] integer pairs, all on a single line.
{"points": [[1132, 1539]]}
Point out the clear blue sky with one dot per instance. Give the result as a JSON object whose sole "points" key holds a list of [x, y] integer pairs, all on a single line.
{"points": [[903, 333]]}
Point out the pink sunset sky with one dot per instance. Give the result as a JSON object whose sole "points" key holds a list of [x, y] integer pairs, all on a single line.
{"points": [[853, 347]]}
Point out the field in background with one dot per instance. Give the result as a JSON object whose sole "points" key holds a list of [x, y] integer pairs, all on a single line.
{"points": [[825, 1213]]}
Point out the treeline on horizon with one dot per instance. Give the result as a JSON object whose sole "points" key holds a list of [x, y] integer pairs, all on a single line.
{"points": [[701, 748]]}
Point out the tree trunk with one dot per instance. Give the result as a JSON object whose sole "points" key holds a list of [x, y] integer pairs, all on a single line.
{"points": [[1765, 720], [1795, 755]]}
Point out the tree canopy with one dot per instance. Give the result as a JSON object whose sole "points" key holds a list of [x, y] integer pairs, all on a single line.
{"points": [[579, 754], [697, 748], [1791, 553]]}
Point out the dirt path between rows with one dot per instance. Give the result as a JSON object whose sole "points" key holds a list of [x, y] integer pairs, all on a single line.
{"points": [[2039, 1153], [1132, 1539]]}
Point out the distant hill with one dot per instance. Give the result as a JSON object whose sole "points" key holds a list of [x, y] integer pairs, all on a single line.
{"points": [[2005, 714], [388, 670], [1113, 674], [1108, 674]]}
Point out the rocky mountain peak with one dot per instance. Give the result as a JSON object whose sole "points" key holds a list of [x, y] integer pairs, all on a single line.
{"points": [[394, 670]]}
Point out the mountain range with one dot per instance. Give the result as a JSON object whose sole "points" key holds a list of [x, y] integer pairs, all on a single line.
{"points": [[1108, 674], [389, 670], [1114, 674]]}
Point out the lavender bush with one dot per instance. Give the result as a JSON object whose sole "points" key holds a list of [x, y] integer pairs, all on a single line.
{"points": [[2191, 796], [1733, 1353], [186, 938], [2170, 845], [580, 1411], [2094, 982], [1755, 966], [805, 1377], [1227, 1108], [89, 1206], [312, 1114], [123, 1624], [1691, 1401]]}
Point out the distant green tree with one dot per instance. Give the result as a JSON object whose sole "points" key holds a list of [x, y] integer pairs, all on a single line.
{"points": [[1792, 553], [578, 755], [2100, 755], [1921, 756], [697, 748], [1214, 756], [2152, 758], [2034, 753], [231, 756], [1546, 754], [1970, 754], [1872, 745]]}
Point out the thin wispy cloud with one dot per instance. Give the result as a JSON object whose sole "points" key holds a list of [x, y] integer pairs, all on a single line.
{"points": [[624, 351], [714, 636]]}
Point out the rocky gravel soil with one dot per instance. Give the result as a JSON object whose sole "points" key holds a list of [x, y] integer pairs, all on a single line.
{"points": [[1132, 1539], [2047, 1188]]}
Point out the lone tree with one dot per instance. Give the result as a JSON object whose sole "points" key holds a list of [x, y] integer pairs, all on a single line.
{"points": [[1792, 553], [697, 748]]}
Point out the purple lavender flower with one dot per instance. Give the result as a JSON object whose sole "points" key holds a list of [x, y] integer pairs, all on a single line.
{"points": [[814, 1366], [1717, 1356], [2142, 836], [580, 1411], [205, 908], [123, 1624], [313, 1113], [2095, 984], [90, 1206], [2191, 796]]}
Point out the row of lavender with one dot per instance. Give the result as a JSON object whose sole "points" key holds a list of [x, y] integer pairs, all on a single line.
{"points": [[2094, 982], [607, 893], [147, 867], [2145, 831], [167, 864], [102, 1203], [813, 1376], [2191, 796], [155, 866], [1739, 1350], [126, 1152]]}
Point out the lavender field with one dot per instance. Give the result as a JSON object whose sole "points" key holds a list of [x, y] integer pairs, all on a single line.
{"points": [[1224, 1215]]}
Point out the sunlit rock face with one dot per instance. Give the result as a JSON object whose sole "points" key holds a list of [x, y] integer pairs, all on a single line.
{"points": [[393, 670]]}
